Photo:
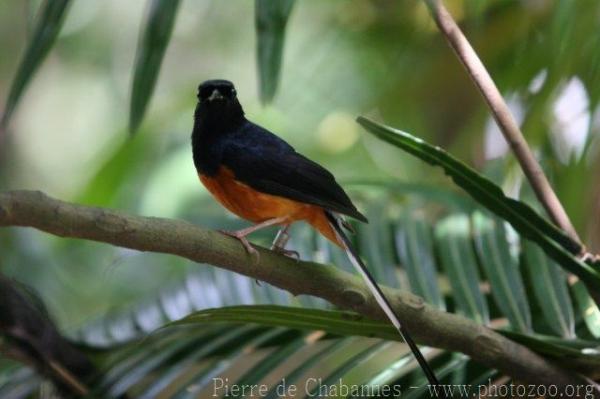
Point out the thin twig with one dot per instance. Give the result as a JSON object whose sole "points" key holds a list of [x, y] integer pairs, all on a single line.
{"points": [[504, 118], [68, 378], [429, 325]]}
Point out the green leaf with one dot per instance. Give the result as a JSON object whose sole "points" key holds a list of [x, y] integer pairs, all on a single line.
{"points": [[429, 192], [128, 160], [551, 291], [171, 372], [200, 380], [270, 362], [20, 383], [131, 371], [405, 364], [351, 324], [46, 31], [415, 250], [293, 377], [375, 244], [453, 239], [270, 19], [150, 52], [355, 361], [555, 347], [502, 271], [588, 308], [334, 322], [520, 215], [456, 362]]}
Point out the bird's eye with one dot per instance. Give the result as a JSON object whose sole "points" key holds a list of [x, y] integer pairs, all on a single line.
{"points": [[204, 93], [233, 92]]}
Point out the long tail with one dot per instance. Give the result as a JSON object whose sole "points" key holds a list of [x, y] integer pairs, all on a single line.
{"points": [[336, 224]]}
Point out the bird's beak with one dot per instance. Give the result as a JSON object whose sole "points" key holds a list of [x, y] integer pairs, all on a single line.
{"points": [[216, 95]]}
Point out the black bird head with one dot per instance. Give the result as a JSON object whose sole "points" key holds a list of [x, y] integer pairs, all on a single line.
{"points": [[216, 91], [218, 108]]}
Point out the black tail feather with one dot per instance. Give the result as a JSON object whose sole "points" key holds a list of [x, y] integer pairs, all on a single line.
{"points": [[336, 223]]}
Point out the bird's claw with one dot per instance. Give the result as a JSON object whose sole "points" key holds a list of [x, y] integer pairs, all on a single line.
{"points": [[287, 252], [245, 243]]}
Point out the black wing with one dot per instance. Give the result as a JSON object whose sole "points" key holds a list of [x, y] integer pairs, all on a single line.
{"points": [[268, 164]]}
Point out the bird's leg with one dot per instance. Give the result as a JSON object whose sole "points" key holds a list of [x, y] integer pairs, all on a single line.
{"points": [[281, 240], [241, 234]]}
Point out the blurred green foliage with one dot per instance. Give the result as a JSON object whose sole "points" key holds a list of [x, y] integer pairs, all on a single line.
{"points": [[341, 58]]}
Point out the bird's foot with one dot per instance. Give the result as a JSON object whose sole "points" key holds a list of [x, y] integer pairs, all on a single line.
{"points": [[241, 237], [287, 252]]}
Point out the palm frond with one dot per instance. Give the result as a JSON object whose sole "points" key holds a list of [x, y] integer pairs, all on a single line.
{"points": [[231, 322], [50, 19]]}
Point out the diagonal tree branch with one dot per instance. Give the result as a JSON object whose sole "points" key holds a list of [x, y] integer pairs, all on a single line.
{"points": [[501, 113], [32, 338], [429, 325]]}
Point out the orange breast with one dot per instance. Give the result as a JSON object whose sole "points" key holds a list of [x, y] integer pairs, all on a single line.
{"points": [[257, 207], [249, 203]]}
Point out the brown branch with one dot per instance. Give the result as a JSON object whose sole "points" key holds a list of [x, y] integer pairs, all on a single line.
{"points": [[32, 339], [504, 118], [428, 325]]}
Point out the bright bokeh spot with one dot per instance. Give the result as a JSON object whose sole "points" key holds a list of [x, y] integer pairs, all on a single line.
{"points": [[495, 144], [572, 120], [337, 132]]}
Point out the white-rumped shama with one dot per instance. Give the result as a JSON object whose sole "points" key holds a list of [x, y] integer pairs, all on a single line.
{"points": [[257, 175], [261, 178]]}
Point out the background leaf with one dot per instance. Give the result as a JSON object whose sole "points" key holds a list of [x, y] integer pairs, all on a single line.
{"points": [[234, 352], [344, 63], [564, 350], [375, 244], [588, 308], [502, 271], [47, 28], [356, 361], [293, 377], [551, 291], [151, 49], [271, 19], [453, 238], [521, 216], [415, 249], [335, 322]]}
